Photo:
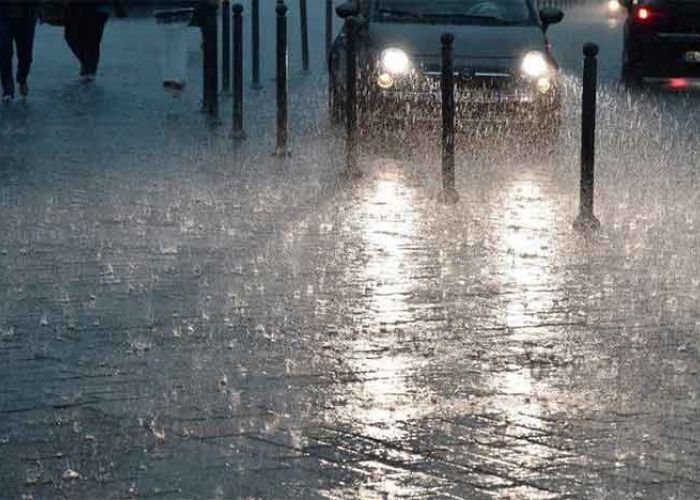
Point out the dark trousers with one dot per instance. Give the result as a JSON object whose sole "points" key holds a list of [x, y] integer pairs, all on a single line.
{"points": [[84, 29], [15, 32]]}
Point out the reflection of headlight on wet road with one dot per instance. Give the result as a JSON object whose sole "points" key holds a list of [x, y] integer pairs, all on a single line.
{"points": [[535, 65], [395, 62]]}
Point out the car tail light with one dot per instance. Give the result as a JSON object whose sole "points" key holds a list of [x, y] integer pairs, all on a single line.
{"points": [[643, 13], [678, 83]]}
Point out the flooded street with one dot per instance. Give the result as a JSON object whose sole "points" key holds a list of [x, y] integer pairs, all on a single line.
{"points": [[184, 316]]}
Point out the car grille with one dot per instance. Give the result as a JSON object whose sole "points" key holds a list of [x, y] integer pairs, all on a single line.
{"points": [[463, 71], [477, 85]]}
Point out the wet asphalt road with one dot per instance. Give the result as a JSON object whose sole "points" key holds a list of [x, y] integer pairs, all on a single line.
{"points": [[185, 317]]}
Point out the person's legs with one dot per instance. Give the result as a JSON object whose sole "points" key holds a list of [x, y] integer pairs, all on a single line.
{"points": [[74, 34], [95, 26], [24, 38], [6, 55]]}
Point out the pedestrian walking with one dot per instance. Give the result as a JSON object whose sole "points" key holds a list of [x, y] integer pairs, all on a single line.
{"points": [[17, 26], [85, 23]]}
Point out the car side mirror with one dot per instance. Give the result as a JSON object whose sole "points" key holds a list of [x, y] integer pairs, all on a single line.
{"points": [[348, 9], [549, 16]]}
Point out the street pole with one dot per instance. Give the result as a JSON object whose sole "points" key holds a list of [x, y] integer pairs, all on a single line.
{"points": [[304, 19], [586, 219], [237, 131], [329, 26], [449, 194], [282, 84], [351, 99], [255, 31], [225, 46], [211, 56]]}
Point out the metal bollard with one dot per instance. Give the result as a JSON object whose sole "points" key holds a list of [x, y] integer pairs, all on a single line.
{"points": [[282, 84], [329, 25], [237, 131], [351, 99], [304, 19], [255, 31], [225, 46], [211, 58], [586, 219], [447, 82]]}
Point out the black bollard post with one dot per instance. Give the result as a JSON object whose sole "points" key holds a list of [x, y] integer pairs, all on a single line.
{"points": [[329, 25], [255, 31], [304, 19], [237, 131], [351, 99], [225, 46], [586, 219], [282, 84], [200, 16], [211, 74], [447, 82]]}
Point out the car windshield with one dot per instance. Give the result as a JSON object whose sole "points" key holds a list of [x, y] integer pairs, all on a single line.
{"points": [[499, 12]]}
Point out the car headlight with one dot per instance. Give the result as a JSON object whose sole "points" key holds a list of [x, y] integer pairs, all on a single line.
{"points": [[385, 81], [544, 85], [535, 65], [395, 61]]}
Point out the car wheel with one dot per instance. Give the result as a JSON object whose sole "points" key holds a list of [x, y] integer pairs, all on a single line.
{"points": [[631, 71], [547, 135], [336, 94], [631, 76], [336, 104], [549, 143]]}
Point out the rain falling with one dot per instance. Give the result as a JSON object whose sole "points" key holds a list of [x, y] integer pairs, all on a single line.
{"points": [[189, 310]]}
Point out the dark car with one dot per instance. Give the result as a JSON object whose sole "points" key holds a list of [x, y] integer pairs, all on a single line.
{"points": [[662, 40], [505, 70]]}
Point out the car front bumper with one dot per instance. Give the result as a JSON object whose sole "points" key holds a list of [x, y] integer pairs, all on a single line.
{"points": [[486, 106]]}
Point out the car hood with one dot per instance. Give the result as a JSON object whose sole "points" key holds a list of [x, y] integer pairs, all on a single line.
{"points": [[471, 42]]}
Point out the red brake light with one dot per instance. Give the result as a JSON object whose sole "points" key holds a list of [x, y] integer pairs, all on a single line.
{"points": [[643, 13], [678, 83]]}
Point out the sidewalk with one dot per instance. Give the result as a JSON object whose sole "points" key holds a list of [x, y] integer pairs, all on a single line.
{"points": [[186, 317]]}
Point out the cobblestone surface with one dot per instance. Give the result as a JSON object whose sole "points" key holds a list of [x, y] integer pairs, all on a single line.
{"points": [[185, 317]]}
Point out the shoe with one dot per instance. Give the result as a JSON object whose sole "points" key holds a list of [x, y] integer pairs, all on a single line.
{"points": [[89, 77], [6, 99], [174, 85], [23, 89]]}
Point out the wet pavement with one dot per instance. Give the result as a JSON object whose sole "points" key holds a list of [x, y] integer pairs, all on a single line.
{"points": [[183, 316]]}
